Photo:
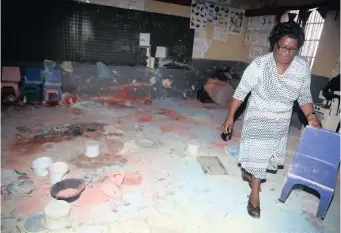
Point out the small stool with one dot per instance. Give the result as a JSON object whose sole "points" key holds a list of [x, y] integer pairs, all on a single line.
{"points": [[11, 87], [52, 90], [30, 89]]}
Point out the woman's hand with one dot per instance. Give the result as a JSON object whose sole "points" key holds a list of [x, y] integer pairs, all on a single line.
{"points": [[227, 126], [314, 121]]}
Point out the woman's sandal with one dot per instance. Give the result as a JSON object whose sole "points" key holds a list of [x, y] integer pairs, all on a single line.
{"points": [[244, 177], [254, 212]]}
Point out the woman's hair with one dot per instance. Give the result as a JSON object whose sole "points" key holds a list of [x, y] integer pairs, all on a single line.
{"points": [[290, 29]]}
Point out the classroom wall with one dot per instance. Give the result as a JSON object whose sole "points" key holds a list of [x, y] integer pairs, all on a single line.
{"points": [[328, 51], [232, 50]]}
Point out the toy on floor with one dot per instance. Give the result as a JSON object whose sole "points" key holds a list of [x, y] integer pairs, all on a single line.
{"points": [[315, 165]]}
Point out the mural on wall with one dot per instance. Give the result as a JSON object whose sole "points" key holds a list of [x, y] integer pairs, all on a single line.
{"points": [[198, 16]]}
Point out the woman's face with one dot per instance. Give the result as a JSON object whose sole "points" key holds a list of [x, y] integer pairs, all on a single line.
{"points": [[285, 50]]}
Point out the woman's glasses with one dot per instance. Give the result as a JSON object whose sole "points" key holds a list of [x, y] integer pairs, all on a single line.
{"points": [[283, 49]]}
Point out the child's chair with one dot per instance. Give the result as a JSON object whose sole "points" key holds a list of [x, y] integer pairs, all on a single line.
{"points": [[315, 165]]}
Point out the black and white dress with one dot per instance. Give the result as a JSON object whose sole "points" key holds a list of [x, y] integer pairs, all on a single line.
{"points": [[266, 123]]}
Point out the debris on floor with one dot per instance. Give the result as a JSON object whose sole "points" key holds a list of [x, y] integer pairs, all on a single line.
{"points": [[153, 169]]}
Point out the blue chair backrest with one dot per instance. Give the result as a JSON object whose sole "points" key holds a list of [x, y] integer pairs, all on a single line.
{"points": [[32, 75], [318, 156], [53, 77]]}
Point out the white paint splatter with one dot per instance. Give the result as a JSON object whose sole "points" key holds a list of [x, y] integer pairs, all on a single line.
{"points": [[114, 72], [193, 87], [155, 89], [166, 83], [152, 80], [134, 81]]}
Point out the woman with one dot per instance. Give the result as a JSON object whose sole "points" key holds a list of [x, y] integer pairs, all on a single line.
{"points": [[275, 81]]}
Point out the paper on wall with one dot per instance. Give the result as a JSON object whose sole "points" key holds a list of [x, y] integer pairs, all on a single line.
{"points": [[144, 39], [152, 62], [208, 44], [136, 4], [160, 52], [148, 52], [255, 52], [200, 34], [267, 22], [220, 33], [236, 21], [198, 48], [198, 16]]}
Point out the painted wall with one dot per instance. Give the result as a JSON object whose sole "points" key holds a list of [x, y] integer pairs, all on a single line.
{"points": [[328, 51], [233, 49]]}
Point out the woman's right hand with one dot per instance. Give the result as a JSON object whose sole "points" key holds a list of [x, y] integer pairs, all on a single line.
{"points": [[227, 126]]}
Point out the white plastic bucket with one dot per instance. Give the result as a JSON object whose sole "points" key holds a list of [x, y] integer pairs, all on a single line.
{"points": [[92, 149], [58, 172], [56, 215], [193, 147], [40, 166]]}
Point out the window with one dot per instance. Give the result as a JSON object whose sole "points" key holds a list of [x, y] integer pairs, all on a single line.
{"points": [[313, 31]]}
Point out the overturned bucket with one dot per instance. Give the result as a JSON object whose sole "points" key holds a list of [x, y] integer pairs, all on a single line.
{"points": [[58, 171]]}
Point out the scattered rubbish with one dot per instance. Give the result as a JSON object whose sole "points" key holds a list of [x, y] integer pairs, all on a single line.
{"points": [[68, 190], [111, 190], [166, 226], [58, 171], [56, 215], [67, 66], [48, 146], [166, 83], [211, 165], [144, 143], [89, 229], [103, 71], [193, 147], [33, 223], [87, 104], [40, 166], [68, 99], [100, 161], [92, 149], [115, 146], [232, 150], [15, 183], [132, 178]]}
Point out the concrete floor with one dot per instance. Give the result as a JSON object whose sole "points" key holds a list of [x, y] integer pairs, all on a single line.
{"points": [[175, 195]]}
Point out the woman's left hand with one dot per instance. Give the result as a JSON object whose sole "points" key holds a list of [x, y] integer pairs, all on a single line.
{"points": [[314, 121]]}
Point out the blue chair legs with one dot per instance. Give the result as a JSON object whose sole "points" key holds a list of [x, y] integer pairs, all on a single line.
{"points": [[325, 199], [289, 184]]}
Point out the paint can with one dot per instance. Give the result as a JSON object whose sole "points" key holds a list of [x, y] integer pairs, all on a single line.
{"points": [[58, 172], [92, 149], [193, 147], [40, 166], [56, 215]]}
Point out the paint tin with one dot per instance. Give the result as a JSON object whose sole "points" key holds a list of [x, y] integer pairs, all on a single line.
{"points": [[92, 149], [56, 215], [40, 166], [193, 147], [58, 172]]}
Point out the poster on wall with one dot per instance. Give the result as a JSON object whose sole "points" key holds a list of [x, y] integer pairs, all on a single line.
{"points": [[254, 38], [221, 2], [216, 14], [220, 33], [198, 16], [236, 21], [255, 52], [136, 5], [253, 23], [267, 22]]}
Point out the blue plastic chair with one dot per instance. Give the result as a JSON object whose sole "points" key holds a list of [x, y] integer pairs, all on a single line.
{"points": [[32, 80], [315, 165]]}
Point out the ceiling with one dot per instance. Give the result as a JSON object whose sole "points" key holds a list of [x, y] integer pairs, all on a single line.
{"points": [[257, 4]]}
